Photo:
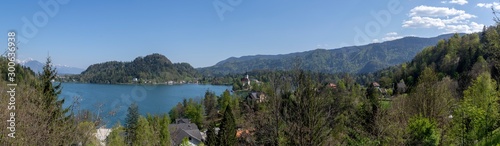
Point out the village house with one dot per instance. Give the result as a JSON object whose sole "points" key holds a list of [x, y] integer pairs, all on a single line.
{"points": [[256, 96], [183, 128]]}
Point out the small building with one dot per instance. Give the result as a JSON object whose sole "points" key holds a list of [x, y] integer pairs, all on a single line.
{"points": [[183, 128], [376, 85], [332, 85], [257, 96]]}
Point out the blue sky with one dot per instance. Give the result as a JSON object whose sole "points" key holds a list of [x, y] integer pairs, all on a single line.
{"points": [[203, 32]]}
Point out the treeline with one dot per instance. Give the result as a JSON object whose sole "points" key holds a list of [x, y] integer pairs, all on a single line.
{"points": [[264, 76], [154, 68]]}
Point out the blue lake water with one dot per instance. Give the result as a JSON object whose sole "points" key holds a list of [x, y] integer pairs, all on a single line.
{"points": [[111, 101]]}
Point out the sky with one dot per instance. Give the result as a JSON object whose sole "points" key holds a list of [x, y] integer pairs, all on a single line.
{"points": [[80, 33]]}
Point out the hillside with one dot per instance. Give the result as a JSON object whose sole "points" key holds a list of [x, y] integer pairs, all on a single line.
{"points": [[154, 68], [353, 59]]}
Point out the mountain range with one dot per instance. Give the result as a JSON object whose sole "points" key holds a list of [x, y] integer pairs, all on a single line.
{"points": [[352, 59], [37, 67]]}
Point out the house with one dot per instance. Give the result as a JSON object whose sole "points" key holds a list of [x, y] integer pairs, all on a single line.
{"points": [[257, 96], [332, 85], [376, 85], [183, 128]]}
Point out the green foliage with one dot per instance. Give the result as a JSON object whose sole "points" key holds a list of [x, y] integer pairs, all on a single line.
{"points": [[143, 133], [188, 109], [185, 142], [212, 139], [210, 104], [86, 131], [225, 99], [422, 131], [154, 68], [305, 114], [194, 112], [132, 123], [478, 114], [227, 133], [115, 137], [164, 131], [58, 117]]}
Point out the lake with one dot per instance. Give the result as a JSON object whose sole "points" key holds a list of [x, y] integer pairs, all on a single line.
{"points": [[111, 101]]}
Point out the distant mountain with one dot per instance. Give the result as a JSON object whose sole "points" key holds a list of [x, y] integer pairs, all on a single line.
{"points": [[37, 67], [154, 68], [353, 59]]}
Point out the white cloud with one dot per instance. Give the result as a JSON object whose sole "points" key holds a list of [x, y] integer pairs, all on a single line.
{"points": [[391, 34], [467, 28], [436, 11], [443, 18], [424, 22], [460, 2], [495, 5], [388, 37]]}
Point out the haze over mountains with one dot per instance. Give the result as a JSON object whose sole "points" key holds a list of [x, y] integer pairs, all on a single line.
{"points": [[352, 59], [37, 67]]}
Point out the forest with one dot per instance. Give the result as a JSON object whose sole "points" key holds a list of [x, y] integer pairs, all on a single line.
{"points": [[154, 68]]}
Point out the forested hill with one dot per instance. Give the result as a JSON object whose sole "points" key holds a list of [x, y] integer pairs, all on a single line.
{"points": [[154, 68], [353, 59]]}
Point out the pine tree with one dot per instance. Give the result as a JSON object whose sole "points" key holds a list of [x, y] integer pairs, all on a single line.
{"points": [[164, 132], [143, 133], [131, 123], [59, 123], [227, 133], [210, 103], [211, 135], [225, 99]]}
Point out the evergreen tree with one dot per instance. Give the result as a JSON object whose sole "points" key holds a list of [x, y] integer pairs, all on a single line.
{"points": [[143, 133], [227, 133], [211, 135], [305, 113], [164, 132], [59, 124], [131, 123], [210, 103], [225, 99]]}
